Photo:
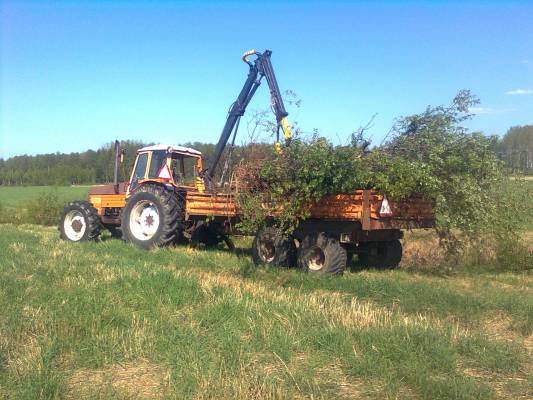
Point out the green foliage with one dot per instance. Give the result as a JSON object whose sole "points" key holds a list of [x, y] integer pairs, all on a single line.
{"points": [[430, 154], [3, 218], [91, 166], [463, 174], [67, 169], [512, 255], [45, 209], [516, 148]]}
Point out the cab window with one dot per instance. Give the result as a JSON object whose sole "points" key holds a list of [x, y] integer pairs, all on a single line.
{"points": [[159, 158], [184, 169], [140, 168]]}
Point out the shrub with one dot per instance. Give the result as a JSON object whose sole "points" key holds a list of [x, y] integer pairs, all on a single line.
{"points": [[45, 209], [513, 255]]}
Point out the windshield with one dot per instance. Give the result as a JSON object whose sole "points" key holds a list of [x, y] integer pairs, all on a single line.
{"points": [[158, 160], [184, 169]]}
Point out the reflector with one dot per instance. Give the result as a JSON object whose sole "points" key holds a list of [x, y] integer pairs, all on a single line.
{"points": [[385, 210], [164, 172]]}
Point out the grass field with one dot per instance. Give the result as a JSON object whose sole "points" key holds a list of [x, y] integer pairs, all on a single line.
{"points": [[107, 320], [18, 196]]}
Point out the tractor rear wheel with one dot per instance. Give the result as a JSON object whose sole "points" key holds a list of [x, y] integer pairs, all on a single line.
{"points": [[321, 253], [79, 222], [273, 248], [382, 255], [152, 217]]}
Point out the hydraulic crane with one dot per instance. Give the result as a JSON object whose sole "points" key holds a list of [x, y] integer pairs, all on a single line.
{"points": [[259, 68]]}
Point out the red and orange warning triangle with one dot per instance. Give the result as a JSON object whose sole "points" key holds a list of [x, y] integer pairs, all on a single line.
{"points": [[165, 173]]}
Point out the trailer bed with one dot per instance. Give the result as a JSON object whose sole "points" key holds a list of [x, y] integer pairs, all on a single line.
{"points": [[362, 206]]}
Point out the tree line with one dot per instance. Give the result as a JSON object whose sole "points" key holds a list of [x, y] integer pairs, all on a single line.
{"points": [[88, 167], [515, 149]]}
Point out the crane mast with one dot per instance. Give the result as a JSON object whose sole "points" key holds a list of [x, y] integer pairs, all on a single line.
{"points": [[259, 68]]}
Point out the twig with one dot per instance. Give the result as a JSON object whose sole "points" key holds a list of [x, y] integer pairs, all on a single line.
{"points": [[288, 371]]}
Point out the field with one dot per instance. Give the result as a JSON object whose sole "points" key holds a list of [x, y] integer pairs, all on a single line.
{"points": [[18, 196], [108, 320]]}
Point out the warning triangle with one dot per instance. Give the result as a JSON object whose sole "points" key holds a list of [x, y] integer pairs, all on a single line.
{"points": [[385, 210], [164, 172]]}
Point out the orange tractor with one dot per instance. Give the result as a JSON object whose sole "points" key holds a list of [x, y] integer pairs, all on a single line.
{"points": [[171, 196]]}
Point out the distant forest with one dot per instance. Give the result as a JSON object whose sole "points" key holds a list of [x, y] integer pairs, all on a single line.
{"points": [[515, 149], [88, 167]]}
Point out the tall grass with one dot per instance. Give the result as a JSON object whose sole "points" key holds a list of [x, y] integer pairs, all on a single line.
{"points": [[44, 209]]}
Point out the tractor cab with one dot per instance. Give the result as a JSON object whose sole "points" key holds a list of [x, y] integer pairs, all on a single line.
{"points": [[173, 165]]}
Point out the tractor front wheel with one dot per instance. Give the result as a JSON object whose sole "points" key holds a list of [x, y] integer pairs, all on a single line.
{"points": [[79, 222], [152, 217]]}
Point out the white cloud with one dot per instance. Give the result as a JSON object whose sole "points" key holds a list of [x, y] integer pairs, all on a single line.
{"points": [[519, 92], [480, 110], [488, 110]]}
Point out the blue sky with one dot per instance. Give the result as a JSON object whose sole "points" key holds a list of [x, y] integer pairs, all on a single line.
{"points": [[75, 75]]}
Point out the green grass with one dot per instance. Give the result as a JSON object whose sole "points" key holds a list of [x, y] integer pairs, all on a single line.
{"points": [[19, 196], [108, 320], [524, 190]]}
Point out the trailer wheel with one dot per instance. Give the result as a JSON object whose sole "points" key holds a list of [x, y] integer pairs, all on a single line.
{"points": [[273, 248], [208, 236], [383, 255], [151, 217], [321, 253], [79, 222]]}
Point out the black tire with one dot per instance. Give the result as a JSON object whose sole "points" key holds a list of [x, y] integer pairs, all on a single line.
{"points": [[273, 249], [79, 221], [162, 206], [209, 236], [321, 253], [382, 255], [116, 231]]}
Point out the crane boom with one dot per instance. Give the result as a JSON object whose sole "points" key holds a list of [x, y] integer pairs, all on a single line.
{"points": [[259, 68]]}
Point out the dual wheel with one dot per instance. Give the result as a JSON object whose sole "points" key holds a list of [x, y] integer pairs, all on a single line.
{"points": [[320, 252]]}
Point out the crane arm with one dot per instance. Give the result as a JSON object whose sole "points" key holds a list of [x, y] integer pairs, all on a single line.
{"points": [[259, 68]]}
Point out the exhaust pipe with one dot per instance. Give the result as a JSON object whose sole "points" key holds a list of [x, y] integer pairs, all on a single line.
{"points": [[118, 156]]}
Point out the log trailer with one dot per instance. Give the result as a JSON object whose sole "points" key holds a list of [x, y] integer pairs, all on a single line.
{"points": [[170, 196]]}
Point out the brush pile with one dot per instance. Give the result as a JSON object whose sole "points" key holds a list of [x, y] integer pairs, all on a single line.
{"points": [[429, 155]]}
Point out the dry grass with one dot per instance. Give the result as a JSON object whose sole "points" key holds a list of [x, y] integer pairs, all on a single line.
{"points": [[338, 309], [138, 379], [422, 251]]}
